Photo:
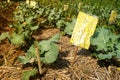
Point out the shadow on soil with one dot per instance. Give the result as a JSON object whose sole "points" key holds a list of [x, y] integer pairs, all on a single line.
{"points": [[61, 63]]}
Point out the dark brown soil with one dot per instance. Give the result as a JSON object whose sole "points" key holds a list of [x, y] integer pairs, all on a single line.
{"points": [[73, 63], [6, 17]]}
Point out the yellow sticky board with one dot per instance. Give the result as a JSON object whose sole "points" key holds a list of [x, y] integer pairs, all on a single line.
{"points": [[113, 16], [83, 30]]}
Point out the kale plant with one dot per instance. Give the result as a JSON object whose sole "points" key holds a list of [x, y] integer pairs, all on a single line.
{"points": [[105, 44]]}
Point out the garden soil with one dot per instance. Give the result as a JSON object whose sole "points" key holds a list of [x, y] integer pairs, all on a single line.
{"points": [[73, 63]]}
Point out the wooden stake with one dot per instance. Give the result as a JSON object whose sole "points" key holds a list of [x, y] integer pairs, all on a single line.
{"points": [[75, 54], [38, 60]]}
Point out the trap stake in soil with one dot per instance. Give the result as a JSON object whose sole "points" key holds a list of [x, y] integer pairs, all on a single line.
{"points": [[83, 30]]}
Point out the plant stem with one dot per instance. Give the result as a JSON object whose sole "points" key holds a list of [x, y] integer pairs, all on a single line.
{"points": [[38, 60]]}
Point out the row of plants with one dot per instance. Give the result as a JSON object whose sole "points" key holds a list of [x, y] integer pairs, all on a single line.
{"points": [[102, 9], [27, 20]]}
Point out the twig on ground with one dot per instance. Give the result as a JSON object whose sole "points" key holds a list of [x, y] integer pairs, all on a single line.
{"points": [[75, 73]]}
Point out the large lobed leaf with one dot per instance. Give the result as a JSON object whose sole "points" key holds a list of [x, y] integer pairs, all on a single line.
{"points": [[107, 44], [103, 38], [70, 26], [51, 55], [48, 51]]}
